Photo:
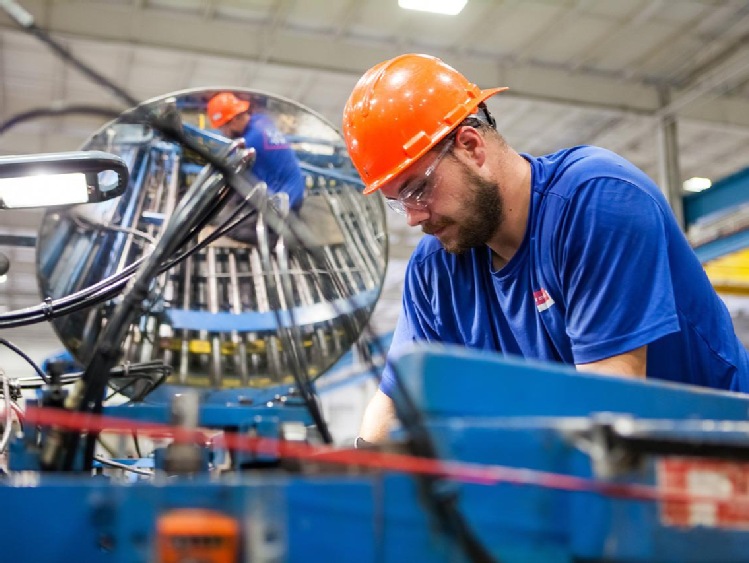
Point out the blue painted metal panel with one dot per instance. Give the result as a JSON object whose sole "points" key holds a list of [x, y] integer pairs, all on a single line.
{"points": [[331, 520], [724, 194], [722, 246], [453, 381], [245, 322], [54, 523], [215, 416]]}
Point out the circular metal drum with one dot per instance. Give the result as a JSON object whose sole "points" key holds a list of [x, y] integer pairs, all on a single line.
{"points": [[233, 313]]}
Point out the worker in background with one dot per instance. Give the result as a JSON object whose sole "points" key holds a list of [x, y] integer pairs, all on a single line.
{"points": [[275, 161], [573, 257]]}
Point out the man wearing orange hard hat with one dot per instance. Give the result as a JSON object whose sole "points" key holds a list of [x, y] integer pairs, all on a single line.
{"points": [[275, 161], [573, 257]]}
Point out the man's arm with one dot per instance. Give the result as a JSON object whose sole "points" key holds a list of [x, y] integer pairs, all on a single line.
{"points": [[380, 412], [378, 417], [615, 270], [629, 364]]}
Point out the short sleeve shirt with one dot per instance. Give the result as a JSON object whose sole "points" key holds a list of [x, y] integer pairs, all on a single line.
{"points": [[603, 269], [275, 163]]}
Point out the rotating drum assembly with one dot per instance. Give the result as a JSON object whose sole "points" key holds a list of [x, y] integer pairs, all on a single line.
{"points": [[231, 313]]}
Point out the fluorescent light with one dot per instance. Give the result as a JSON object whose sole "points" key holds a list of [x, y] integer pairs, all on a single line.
{"points": [[447, 7], [697, 184], [44, 190], [4, 278]]}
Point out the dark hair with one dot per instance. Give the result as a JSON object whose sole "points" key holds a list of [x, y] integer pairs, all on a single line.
{"points": [[482, 119]]}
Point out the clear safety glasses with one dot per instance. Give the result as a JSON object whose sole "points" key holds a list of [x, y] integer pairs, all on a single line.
{"points": [[417, 195]]}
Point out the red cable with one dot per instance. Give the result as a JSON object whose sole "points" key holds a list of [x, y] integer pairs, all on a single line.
{"points": [[455, 470]]}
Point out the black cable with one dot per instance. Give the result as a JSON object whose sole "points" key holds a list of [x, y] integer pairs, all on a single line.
{"points": [[67, 56], [120, 390], [148, 390], [107, 288], [139, 372], [136, 444], [57, 110], [99, 292], [145, 371], [198, 200], [21, 353], [91, 295], [443, 500], [96, 293]]}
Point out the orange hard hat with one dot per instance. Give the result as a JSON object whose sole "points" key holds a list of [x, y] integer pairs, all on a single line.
{"points": [[400, 109], [224, 107]]}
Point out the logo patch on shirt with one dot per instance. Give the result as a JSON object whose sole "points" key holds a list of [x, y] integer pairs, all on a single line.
{"points": [[274, 139], [543, 299]]}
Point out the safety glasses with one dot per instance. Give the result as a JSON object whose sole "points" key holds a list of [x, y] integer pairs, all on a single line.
{"points": [[417, 195]]}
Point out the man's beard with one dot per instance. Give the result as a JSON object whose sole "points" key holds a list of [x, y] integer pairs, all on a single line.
{"points": [[480, 218]]}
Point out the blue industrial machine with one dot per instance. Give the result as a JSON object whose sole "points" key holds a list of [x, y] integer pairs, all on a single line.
{"points": [[183, 422], [545, 465]]}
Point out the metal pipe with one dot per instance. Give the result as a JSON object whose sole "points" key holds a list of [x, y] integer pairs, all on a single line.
{"points": [[215, 369]]}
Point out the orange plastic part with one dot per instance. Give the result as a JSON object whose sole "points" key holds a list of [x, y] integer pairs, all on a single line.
{"points": [[194, 534]]}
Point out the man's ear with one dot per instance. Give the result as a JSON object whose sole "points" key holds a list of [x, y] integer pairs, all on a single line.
{"points": [[470, 144]]}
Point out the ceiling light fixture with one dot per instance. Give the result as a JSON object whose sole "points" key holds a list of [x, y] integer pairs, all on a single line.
{"points": [[42, 180], [447, 7], [58, 189], [697, 184]]}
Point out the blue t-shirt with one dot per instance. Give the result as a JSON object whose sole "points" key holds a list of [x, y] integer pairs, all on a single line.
{"points": [[603, 269], [275, 163]]}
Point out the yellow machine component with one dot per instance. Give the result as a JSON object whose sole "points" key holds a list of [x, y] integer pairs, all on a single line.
{"points": [[730, 274], [255, 382], [197, 346], [229, 349]]}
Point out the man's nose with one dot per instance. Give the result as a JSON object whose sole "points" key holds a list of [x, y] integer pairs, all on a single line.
{"points": [[416, 216]]}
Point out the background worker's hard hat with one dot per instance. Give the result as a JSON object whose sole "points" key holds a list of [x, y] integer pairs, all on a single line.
{"points": [[224, 107], [400, 109]]}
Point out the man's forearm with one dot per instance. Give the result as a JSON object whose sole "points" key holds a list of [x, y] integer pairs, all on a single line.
{"points": [[378, 418]]}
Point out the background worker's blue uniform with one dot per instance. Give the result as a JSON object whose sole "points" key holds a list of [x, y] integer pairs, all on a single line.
{"points": [[275, 164]]}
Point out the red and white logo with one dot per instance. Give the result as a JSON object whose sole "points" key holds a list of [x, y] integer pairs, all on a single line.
{"points": [[719, 491], [543, 299]]}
